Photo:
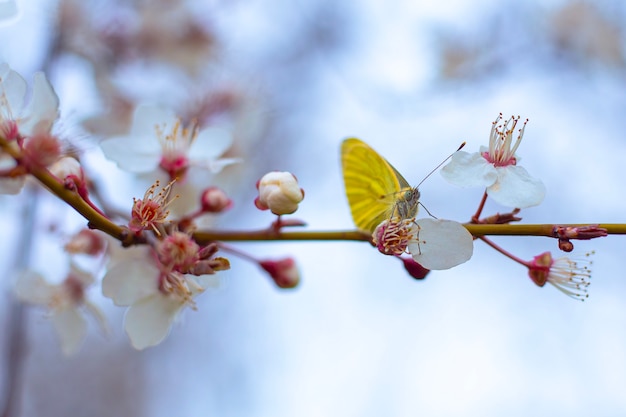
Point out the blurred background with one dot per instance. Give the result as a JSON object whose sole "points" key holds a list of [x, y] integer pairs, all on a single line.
{"points": [[358, 337]]}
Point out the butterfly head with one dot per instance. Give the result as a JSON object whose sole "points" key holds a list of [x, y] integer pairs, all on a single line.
{"points": [[407, 203]]}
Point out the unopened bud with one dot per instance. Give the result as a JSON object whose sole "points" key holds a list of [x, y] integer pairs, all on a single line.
{"points": [[68, 169], [591, 231], [566, 245], [284, 272], [215, 200], [414, 269], [209, 267], [279, 192]]}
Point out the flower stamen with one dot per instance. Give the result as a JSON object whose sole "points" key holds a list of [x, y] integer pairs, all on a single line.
{"points": [[393, 236], [175, 146], [571, 277], [177, 285], [151, 211], [500, 139]]}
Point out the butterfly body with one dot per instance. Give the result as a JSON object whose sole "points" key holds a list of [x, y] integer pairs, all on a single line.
{"points": [[406, 204], [376, 191]]}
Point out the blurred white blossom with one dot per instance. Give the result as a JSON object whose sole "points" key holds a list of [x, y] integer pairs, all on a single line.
{"points": [[158, 139], [66, 303]]}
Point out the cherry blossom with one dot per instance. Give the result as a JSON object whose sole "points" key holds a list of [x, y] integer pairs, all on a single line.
{"points": [[434, 244], [158, 140], [158, 287], [66, 304], [496, 168], [24, 121], [151, 212], [569, 276], [41, 111]]}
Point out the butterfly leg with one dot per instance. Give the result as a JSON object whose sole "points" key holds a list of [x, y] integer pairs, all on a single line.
{"points": [[417, 236]]}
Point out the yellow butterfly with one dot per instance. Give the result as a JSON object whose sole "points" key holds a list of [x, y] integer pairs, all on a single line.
{"points": [[376, 190]]}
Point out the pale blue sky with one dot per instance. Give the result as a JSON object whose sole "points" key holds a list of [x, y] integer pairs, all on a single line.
{"points": [[359, 337]]}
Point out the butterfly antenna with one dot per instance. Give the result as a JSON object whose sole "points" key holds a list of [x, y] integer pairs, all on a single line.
{"points": [[439, 166], [428, 211]]}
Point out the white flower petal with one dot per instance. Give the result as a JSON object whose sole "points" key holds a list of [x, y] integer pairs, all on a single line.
{"points": [[71, 327], [148, 116], [12, 185], [130, 281], [516, 188], [469, 170], [210, 143], [43, 108], [133, 153], [217, 165], [31, 287], [204, 281], [140, 151], [95, 311], [148, 321], [442, 244], [14, 90]]}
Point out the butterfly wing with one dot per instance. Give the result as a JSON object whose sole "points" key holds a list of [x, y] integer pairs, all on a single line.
{"points": [[372, 184], [403, 183]]}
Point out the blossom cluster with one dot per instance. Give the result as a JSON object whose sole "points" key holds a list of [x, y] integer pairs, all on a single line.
{"points": [[168, 268], [171, 262]]}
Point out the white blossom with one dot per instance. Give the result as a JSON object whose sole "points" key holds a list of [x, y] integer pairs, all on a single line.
{"points": [[496, 169]]}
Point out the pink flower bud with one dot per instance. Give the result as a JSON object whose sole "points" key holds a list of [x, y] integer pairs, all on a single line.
{"points": [[279, 192], [88, 242], [67, 167], [591, 231], [215, 200], [284, 272], [414, 269]]}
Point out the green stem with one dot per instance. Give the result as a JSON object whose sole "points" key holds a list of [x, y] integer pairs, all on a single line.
{"points": [[71, 197], [476, 230], [98, 221]]}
